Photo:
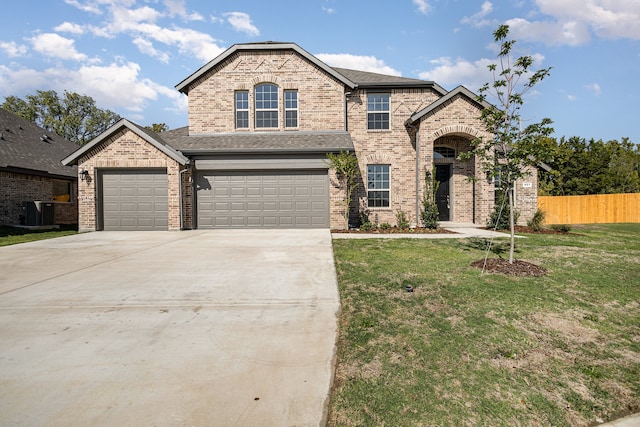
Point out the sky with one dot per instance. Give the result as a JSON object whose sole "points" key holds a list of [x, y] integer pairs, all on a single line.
{"points": [[129, 55]]}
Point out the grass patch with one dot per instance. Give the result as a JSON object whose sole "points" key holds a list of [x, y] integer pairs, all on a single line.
{"points": [[15, 235], [466, 348]]}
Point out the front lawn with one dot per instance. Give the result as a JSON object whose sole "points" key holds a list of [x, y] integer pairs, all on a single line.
{"points": [[467, 348], [14, 235]]}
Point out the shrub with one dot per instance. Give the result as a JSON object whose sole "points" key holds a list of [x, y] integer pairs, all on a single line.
{"points": [[429, 212], [403, 219], [385, 226], [537, 221], [368, 226], [563, 228], [499, 218]]}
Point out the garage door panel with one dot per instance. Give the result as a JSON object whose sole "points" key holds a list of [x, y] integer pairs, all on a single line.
{"points": [[268, 199], [134, 199]]}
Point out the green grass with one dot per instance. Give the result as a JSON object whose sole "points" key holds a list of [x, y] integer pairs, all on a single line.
{"points": [[15, 235], [467, 348]]}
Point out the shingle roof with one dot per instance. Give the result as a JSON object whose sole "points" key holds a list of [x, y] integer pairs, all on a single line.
{"points": [[24, 148], [367, 79], [151, 137], [293, 141], [184, 85], [460, 90]]}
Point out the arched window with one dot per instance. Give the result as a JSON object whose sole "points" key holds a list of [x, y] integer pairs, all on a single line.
{"points": [[444, 153], [266, 105]]}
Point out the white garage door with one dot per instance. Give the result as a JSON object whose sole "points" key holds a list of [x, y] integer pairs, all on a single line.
{"points": [[134, 200], [269, 199]]}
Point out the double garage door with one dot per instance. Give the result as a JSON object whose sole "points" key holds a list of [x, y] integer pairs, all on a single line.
{"points": [[269, 199], [134, 199]]}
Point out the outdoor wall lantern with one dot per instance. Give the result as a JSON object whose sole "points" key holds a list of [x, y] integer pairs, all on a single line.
{"points": [[84, 174]]}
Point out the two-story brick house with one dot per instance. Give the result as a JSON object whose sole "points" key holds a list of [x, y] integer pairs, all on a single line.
{"points": [[262, 118]]}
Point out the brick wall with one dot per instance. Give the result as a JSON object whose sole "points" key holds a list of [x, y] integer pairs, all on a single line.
{"points": [[16, 188], [211, 98], [395, 147], [455, 124], [125, 149]]}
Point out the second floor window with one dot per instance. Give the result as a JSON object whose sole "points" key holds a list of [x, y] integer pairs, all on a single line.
{"points": [[266, 106], [242, 110], [378, 111], [291, 108]]}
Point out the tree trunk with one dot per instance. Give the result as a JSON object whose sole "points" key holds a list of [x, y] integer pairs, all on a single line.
{"points": [[512, 226]]}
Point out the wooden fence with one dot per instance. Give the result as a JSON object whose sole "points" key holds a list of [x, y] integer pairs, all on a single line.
{"points": [[592, 209]]}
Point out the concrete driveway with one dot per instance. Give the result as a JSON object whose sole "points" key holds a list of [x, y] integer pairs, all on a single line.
{"points": [[198, 328]]}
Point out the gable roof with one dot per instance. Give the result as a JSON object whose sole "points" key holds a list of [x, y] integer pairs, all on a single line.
{"points": [[151, 137], [184, 85], [366, 79], [257, 142], [460, 90], [27, 148]]}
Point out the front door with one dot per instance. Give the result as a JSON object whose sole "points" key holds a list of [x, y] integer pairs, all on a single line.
{"points": [[443, 198]]}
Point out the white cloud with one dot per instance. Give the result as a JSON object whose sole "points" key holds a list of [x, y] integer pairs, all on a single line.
{"points": [[55, 46], [607, 18], [329, 10], [178, 8], [105, 84], [423, 6], [241, 22], [356, 62], [571, 97], [13, 50], [573, 22], [89, 6], [146, 47], [572, 33], [478, 19], [594, 87], [459, 72], [69, 27]]}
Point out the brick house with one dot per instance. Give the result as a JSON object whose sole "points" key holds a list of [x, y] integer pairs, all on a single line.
{"points": [[35, 188], [262, 118]]}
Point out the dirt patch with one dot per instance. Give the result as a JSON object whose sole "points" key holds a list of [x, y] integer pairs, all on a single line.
{"points": [[517, 268]]}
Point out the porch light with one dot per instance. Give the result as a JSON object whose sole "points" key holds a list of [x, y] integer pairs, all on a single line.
{"points": [[83, 174]]}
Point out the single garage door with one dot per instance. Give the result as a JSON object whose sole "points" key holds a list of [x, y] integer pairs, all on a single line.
{"points": [[269, 199], [134, 199]]}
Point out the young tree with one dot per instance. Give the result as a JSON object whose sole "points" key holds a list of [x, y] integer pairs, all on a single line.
{"points": [[74, 117], [511, 151]]}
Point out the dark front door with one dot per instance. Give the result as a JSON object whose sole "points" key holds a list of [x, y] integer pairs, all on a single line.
{"points": [[443, 198]]}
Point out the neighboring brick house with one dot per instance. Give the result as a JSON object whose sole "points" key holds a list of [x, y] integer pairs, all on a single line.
{"points": [[35, 188], [262, 118]]}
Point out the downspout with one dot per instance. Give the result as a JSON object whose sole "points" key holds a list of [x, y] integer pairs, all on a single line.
{"points": [[180, 196], [346, 117]]}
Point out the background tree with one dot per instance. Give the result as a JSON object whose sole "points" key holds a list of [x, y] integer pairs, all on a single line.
{"points": [[582, 167], [72, 116], [511, 151], [158, 127]]}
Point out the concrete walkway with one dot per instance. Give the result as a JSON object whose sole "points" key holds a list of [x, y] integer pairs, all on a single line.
{"points": [[458, 231], [229, 328]]}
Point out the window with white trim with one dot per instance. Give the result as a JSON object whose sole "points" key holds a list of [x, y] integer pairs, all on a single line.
{"points": [[266, 103], [242, 109], [378, 186], [378, 111], [291, 108]]}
